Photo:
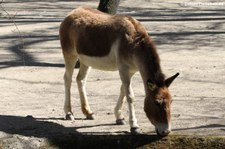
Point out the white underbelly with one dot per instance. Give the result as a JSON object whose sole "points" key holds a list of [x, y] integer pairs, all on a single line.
{"points": [[107, 63]]}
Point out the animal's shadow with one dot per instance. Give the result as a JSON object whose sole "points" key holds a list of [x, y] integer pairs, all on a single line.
{"points": [[69, 137]]}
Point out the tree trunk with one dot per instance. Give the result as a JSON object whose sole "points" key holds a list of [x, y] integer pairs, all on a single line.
{"points": [[108, 6]]}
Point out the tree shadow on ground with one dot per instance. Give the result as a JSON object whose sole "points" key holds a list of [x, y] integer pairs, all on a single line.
{"points": [[24, 58], [69, 137], [173, 14]]}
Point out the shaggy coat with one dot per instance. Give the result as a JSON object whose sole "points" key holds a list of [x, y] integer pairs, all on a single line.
{"points": [[110, 43]]}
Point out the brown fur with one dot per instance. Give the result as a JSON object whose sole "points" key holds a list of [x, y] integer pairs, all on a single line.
{"points": [[81, 22], [92, 33]]}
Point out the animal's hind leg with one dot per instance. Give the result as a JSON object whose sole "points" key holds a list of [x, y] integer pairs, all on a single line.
{"points": [[70, 61], [81, 83]]}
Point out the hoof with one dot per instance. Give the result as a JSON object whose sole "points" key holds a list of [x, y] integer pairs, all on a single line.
{"points": [[91, 116], [135, 131], [70, 117], [120, 122]]}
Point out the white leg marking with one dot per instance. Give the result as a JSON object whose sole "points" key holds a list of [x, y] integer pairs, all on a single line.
{"points": [[69, 65], [130, 99], [119, 105], [126, 80], [81, 83]]}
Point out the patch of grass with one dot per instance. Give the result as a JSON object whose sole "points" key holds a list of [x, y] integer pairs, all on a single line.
{"points": [[187, 142]]}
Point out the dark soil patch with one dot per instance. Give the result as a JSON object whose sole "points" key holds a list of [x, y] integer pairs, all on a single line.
{"points": [[138, 141]]}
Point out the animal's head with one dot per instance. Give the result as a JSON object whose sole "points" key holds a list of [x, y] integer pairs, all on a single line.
{"points": [[158, 104]]}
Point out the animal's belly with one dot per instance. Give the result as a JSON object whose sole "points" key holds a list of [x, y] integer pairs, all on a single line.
{"points": [[107, 63]]}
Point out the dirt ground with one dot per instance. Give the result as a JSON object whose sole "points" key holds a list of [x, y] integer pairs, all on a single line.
{"points": [[190, 40]]}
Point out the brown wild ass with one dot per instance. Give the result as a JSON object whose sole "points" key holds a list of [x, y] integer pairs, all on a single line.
{"points": [[110, 43]]}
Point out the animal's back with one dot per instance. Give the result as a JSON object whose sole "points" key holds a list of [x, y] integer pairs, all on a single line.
{"points": [[93, 33]]}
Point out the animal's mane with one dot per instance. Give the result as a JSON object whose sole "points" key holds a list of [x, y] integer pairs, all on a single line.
{"points": [[153, 60]]}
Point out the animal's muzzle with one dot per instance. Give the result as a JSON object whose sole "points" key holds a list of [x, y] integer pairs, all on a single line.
{"points": [[163, 129], [163, 133]]}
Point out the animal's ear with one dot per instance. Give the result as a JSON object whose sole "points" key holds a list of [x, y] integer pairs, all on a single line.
{"points": [[171, 79], [140, 40], [152, 86]]}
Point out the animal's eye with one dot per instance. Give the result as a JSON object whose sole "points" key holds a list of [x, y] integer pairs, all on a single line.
{"points": [[158, 102]]}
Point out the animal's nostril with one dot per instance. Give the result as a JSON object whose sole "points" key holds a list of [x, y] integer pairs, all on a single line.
{"points": [[163, 133], [166, 132]]}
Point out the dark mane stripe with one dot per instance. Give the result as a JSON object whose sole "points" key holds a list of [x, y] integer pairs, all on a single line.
{"points": [[156, 74]]}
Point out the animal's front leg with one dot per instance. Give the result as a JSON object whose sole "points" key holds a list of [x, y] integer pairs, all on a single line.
{"points": [[134, 127], [81, 83], [119, 106], [126, 80]]}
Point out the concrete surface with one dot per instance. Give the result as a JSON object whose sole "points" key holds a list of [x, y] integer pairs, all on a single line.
{"points": [[190, 39]]}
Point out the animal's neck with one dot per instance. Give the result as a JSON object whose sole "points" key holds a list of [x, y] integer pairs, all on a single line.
{"points": [[149, 66]]}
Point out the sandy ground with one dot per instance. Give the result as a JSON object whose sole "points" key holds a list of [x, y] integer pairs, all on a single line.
{"points": [[190, 40]]}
